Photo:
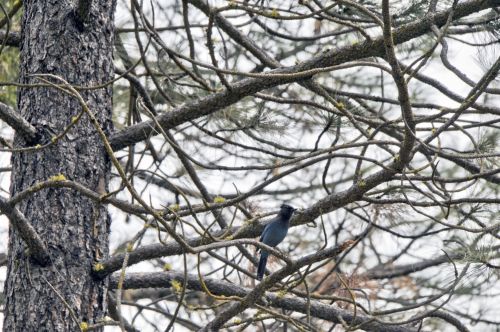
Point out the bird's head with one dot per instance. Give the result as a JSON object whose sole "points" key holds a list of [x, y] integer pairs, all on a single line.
{"points": [[286, 211]]}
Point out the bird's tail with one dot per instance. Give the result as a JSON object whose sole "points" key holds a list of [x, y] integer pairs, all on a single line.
{"points": [[262, 265]]}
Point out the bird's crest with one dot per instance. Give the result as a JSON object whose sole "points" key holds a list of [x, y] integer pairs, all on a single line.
{"points": [[287, 207]]}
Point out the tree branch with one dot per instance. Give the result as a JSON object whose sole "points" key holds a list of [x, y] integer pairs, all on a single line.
{"points": [[17, 122], [388, 271], [12, 39], [325, 205], [249, 86], [37, 248], [223, 288], [450, 319]]}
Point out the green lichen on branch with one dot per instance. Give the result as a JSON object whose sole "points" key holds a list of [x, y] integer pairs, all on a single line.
{"points": [[57, 178], [98, 267]]}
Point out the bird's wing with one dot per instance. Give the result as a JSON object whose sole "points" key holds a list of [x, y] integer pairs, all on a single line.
{"points": [[275, 233], [264, 232]]}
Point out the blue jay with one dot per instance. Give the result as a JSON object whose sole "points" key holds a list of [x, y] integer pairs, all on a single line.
{"points": [[273, 234]]}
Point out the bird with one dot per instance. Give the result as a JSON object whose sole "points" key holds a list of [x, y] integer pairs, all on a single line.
{"points": [[273, 234]]}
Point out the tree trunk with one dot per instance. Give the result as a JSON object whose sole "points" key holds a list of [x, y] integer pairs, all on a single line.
{"points": [[64, 41]]}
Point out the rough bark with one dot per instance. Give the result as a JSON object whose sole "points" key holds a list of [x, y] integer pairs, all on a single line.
{"points": [[73, 227]]}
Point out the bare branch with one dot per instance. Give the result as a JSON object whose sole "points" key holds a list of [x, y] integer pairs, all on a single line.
{"points": [[16, 121], [37, 248], [222, 288]]}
